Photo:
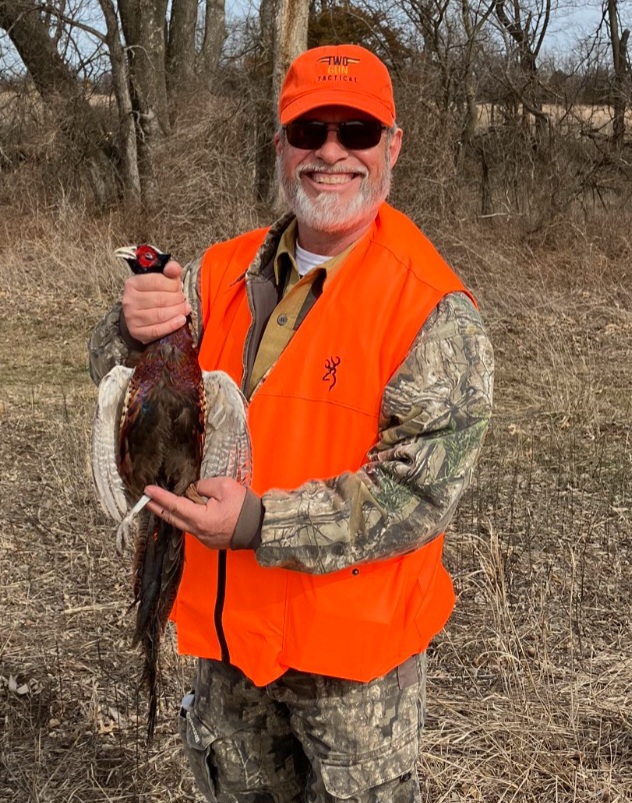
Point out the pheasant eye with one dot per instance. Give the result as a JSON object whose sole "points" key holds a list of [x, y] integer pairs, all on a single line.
{"points": [[145, 257]]}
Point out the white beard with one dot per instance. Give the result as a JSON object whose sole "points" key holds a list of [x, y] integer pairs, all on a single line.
{"points": [[328, 212]]}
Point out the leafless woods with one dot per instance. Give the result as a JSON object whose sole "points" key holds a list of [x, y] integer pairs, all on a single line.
{"points": [[497, 124]]}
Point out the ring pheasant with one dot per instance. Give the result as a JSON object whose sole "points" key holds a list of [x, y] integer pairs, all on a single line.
{"points": [[165, 423]]}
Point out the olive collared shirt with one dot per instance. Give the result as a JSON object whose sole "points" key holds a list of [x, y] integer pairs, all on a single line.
{"points": [[290, 311]]}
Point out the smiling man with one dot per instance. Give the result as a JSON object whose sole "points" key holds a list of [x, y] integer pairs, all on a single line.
{"points": [[333, 188], [311, 597]]}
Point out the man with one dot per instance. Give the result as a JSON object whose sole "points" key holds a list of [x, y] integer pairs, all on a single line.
{"points": [[310, 599]]}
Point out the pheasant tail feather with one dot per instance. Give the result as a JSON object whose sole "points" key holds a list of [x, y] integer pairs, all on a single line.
{"points": [[158, 566]]}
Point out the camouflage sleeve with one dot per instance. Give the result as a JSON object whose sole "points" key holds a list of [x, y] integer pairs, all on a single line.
{"points": [[107, 347], [434, 415]]}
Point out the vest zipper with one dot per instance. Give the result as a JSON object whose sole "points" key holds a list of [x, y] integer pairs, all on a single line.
{"points": [[221, 557], [219, 605]]}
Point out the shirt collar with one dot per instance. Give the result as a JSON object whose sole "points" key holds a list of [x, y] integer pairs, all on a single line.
{"points": [[286, 252]]}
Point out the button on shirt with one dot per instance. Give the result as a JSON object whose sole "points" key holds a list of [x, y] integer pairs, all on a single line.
{"points": [[298, 297]]}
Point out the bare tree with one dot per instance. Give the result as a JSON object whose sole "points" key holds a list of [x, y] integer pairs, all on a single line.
{"points": [[526, 24], [283, 26], [292, 18], [45, 36], [143, 24], [474, 16], [621, 64], [432, 19], [181, 46], [214, 38], [62, 94], [127, 130], [265, 112]]}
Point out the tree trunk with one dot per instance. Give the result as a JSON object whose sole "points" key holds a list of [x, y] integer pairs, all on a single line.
{"points": [[143, 25], [284, 34], [181, 49], [621, 70], [264, 106], [214, 38], [127, 131], [529, 42], [290, 41], [290, 38], [471, 112], [61, 93], [472, 24]]}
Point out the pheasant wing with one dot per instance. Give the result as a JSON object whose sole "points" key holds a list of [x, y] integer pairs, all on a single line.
{"points": [[227, 449], [104, 445]]}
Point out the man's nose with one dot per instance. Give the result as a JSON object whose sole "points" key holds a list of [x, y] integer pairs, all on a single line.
{"points": [[332, 150]]}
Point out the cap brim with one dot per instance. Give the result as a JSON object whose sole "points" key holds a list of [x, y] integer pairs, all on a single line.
{"points": [[351, 100]]}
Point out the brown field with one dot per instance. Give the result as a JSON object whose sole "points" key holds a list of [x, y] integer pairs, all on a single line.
{"points": [[578, 116], [530, 686]]}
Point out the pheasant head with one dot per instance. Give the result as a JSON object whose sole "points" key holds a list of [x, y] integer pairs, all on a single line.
{"points": [[143, 258]]}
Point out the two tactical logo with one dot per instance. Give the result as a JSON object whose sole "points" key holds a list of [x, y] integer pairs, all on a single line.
{"points": [[338, 68]]}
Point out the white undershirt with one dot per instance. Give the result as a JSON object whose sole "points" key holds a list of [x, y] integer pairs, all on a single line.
{"points": [[306, 261]]}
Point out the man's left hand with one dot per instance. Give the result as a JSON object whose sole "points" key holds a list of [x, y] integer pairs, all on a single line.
{"points": [[213, 523]]}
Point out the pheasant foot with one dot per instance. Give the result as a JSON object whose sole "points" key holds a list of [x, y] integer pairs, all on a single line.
{"points": [[124, 533]]}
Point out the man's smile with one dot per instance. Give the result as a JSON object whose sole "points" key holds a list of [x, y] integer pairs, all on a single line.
{"points": [[334, 179]]}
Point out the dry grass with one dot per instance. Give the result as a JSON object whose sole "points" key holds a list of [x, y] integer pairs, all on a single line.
{"points": [[531, 697], [530, 685]]}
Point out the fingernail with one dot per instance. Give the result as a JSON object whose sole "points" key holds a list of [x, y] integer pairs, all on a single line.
{"points": [[187, 308]]}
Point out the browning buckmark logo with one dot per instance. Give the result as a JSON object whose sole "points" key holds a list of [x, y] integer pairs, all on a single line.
{"points": [[338, 69], [331, 366]]}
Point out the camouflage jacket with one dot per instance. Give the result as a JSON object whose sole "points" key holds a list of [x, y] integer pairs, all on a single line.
{"points": [[434, 414]]}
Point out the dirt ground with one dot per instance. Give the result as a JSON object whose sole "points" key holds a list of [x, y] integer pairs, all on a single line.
{"points": [[530, 686]]}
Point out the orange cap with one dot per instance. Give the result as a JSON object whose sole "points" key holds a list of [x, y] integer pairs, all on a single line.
{"points": [[337, 75]]}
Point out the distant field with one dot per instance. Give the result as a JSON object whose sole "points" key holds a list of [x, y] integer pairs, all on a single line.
{"points": [[598, 118]]}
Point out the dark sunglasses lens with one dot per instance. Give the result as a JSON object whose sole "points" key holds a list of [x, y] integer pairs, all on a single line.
{"points": [[359, 135], [306, 135]]}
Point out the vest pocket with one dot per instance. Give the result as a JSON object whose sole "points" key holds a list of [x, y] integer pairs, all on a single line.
{"points": [[357, 623]]}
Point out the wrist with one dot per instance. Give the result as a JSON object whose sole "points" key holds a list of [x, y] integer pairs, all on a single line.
{"points": [[247, 533], [128, 339]]}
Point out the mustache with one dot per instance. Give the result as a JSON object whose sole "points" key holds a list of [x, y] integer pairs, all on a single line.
{"points": [[331, 169]]}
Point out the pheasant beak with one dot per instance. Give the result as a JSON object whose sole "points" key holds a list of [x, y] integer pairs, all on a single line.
{"points": [[128, 252]]}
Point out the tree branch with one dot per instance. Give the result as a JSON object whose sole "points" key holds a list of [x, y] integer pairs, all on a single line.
{"points": [[55, 12], [30, 7]]}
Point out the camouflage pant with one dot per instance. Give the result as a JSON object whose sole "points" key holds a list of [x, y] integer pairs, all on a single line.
{"points": [[305, 738]]}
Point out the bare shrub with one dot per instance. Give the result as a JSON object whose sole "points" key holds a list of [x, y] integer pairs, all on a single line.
{"points": [[206, 174], [426, 177]]}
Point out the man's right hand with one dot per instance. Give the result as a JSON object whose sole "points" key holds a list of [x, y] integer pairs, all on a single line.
{"points": [[154, 304]]}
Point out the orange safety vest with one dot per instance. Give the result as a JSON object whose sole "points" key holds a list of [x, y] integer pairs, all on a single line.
{"points": [[359, 622]]}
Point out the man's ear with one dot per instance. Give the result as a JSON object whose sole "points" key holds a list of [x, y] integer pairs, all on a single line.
{"points": [[395, 146], [278, 143]]}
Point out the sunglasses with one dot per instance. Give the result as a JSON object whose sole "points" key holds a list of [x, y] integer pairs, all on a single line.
{"points": [[354, 135]]}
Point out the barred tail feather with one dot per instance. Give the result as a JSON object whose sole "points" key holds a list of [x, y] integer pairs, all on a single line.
{"points": [[158, 564]]}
